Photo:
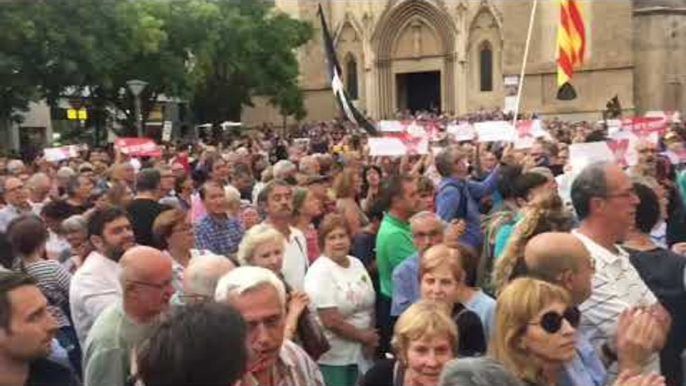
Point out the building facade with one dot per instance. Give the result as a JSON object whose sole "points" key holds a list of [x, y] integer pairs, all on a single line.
{"points": [[457, 55]]}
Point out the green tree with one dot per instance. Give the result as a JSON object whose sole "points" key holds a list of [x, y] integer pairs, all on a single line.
{"points": [[251, 52], [216, 54]]}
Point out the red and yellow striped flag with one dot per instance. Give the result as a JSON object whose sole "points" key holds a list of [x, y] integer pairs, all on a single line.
{"points": [[571, 46]]}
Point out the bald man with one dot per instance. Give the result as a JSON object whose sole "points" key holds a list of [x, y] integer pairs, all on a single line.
{"points": [[201, 276], [562, 258], [146, 277]]}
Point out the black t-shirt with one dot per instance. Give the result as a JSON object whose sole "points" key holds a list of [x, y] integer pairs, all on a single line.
{"points": [[471, 337], [43, 372], [383, 373], [77, 209], [143, 212], [663, 272]]}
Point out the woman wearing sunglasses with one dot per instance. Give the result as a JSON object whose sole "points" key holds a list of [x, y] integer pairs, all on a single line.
{"points": [[535, 330], [535, 334]]}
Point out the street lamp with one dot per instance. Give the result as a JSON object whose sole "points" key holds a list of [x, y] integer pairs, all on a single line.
{"points": [[136, 87]]}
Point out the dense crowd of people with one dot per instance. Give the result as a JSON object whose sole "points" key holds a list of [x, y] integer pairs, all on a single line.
{"points": [[300, 259]]}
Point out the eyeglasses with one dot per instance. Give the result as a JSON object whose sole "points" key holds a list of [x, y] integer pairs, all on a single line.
{"points": [[160, 287], [551, 322]]}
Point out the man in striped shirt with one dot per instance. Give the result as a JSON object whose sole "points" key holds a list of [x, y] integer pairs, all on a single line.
{"points": [[260, 296], [605, 203]]}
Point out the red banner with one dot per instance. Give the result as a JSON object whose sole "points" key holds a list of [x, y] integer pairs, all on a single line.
{"points": [[643, 127], [138, 147]]}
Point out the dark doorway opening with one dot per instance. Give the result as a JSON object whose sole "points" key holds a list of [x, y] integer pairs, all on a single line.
{"points": [[419, 91]]}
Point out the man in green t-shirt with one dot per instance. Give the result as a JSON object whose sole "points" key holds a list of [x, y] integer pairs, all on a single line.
{"points": [[393, 244]]}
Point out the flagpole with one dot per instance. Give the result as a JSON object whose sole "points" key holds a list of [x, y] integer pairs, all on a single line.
{"points": [[524, 61]]}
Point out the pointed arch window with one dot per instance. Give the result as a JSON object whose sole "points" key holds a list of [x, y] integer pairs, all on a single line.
{"points": [[351, 77], [486, 67]]}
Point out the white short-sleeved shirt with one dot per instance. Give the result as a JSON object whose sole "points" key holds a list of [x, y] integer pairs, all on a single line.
{"points": [[616, 287], [94, 286], [295, 261], [349, 290]]}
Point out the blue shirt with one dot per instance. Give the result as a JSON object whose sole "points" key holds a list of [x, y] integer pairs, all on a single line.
{"points": [[484, 306], [221, 236], [405, 285], [585, 369], [448, 200]]}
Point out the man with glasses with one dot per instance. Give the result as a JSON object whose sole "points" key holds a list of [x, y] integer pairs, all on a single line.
{"points": [[562, 259], [260, 296], [17, 199], [427, 231], [146, 277], [605, 203]]}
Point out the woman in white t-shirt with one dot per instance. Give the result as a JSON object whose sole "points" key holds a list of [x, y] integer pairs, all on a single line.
{"points": [[341, 290]]}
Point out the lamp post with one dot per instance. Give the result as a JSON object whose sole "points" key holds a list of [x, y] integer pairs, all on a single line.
{"points": [[136, 87]]}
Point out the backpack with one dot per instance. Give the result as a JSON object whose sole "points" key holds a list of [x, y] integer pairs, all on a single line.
{"points": [[462, 206]]}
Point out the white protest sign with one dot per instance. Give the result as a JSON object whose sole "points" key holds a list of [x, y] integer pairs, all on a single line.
{"points": [[527, 133], [495, 131], [386, 147], [461, 131], [391, 126], [56, 154], [583, 154], [397, 146], [167, 131]]}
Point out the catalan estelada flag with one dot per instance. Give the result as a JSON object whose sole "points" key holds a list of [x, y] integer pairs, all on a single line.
{"points": [[344, 102], [571, 46]]}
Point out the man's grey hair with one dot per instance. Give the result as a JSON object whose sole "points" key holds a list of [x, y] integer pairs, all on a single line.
{"points": [[36, 179], [65, 172], [14, 166], [483, 371], [445, 160], [244, 279], [73, 184], [283, 168], [590, 183], [75, 223], [203, 273]]}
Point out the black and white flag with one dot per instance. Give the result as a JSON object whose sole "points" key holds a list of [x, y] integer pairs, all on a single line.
{"points": [[337, 86]]}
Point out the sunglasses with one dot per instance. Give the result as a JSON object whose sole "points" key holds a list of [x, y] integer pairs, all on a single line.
{"points": [[551, 322]]}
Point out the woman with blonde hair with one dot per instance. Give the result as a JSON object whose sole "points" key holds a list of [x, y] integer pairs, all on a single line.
{"points": [[535, 334], [442, 279], [535, 331], [425, 338], [347, 186], [546, 215]]}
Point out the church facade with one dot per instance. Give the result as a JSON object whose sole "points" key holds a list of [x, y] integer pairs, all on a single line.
{"points": [[459, 56]]}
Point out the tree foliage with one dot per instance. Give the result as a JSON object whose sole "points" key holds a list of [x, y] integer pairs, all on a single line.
{"points": [[218, 55]]}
